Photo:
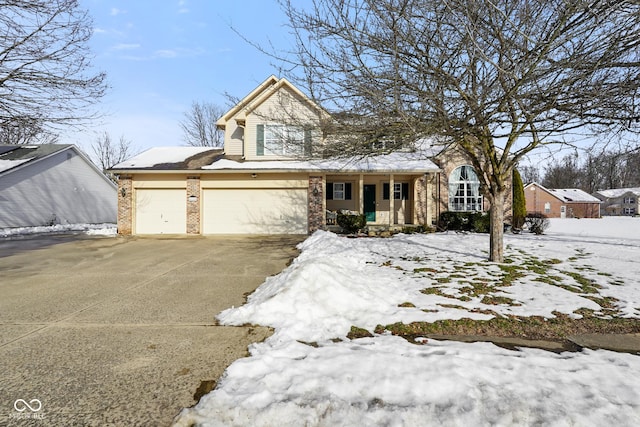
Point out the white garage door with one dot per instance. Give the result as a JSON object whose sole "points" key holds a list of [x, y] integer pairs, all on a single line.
{"points": [[161, 211], [254, 211]]}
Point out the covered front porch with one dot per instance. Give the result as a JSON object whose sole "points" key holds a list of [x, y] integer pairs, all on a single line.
{"points": [[386, 200]]}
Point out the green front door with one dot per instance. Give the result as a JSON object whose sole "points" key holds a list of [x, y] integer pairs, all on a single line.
{"points": [[370, 202]]}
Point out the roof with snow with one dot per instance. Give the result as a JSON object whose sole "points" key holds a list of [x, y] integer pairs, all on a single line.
{"points": [[568, 195], [574, 195], [167, 158], [614, 193], [13, 156], [208, 159]]}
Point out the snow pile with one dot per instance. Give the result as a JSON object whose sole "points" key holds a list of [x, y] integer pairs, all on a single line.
{"points": [[309, 373], [91, 229], [385, 381]]}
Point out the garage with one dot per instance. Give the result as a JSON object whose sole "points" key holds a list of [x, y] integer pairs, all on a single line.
{"points": [[254, 211], [161, 211]]}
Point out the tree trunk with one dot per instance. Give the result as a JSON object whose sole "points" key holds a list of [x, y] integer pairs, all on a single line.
{"points": [[496, 232]]}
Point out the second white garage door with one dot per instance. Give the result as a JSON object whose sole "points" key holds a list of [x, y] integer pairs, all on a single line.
{"points": [[254, 211]]}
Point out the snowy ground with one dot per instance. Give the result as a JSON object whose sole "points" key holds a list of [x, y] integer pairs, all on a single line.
{"points": [[92, 229], [309, 374]]}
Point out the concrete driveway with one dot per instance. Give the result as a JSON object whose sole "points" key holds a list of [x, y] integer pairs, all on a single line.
{"points": [[121, 331]]}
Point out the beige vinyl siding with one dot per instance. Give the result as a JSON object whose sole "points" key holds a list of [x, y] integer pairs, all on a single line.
{"points": [[233, 138], [278, 109], [160, 211]]}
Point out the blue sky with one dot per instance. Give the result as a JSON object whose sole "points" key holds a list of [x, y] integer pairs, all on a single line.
{"points": [[160, 56]]}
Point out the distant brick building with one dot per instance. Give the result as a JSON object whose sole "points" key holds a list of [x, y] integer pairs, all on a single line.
{"points": [[561, 203]]}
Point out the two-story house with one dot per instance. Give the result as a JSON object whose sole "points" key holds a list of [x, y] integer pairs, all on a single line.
{"points": [[270, 177], [620, 201]]}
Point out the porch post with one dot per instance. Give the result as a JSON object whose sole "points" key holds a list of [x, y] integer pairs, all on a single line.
{"points": [[392, 200], [428, 197], [361, 194]]}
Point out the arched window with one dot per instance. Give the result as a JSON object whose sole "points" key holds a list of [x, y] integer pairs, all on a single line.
{"points": [[464, 190]]}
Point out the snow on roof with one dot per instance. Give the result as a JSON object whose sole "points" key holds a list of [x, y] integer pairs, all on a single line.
{"points": [[619, 192], [393, 162], [574, 195], [398, 162], [5, 165], [160, 155]]}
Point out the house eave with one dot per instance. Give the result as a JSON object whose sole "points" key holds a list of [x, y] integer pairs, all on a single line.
{"points": [[265, 170]]}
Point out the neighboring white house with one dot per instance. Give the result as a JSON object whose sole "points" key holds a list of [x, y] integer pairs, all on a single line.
{"points": [[53, 184], [620, 201]]}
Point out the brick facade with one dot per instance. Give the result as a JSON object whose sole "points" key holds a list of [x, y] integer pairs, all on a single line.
{"points": [[539, 200], [448, 161], [193, 205], [125, 202], [316, 211]]}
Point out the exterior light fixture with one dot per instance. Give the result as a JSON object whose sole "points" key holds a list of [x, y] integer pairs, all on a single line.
{"points": [[123, 192]]}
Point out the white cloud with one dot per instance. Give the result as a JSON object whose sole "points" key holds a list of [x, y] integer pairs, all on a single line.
{"points": [[126, 46], [115, 11], [165, 53], [182, 7]]}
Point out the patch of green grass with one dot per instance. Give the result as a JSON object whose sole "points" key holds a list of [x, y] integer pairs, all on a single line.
{"points": [[425, 270], [498, 300], [587, 285], [511, 273], [456, 306], [557, 328], [608, 303], [443, 279], [407, 304], [477, 289], [356, 332], [550, 280]]}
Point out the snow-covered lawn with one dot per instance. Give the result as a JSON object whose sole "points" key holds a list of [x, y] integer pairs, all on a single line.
{"points": [[92, 229], [310, 374]]}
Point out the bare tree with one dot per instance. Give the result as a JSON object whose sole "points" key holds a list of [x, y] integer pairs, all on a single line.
{"points": [[498, 78], [45, 69], [108, 154], [199, 125], [25, 130], [529, 174], [566, 173]]}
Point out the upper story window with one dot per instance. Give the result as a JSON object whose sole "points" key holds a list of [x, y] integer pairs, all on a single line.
{"points": [[629, 200], [282, 140], [464, 190]]}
